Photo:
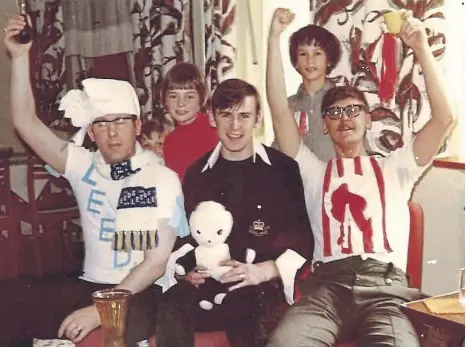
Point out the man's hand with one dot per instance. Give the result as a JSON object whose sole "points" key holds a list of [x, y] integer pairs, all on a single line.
{"points": [[413, 33], [282, 17], [197, 276], [80, 323], [15, 25], [248, 274]]}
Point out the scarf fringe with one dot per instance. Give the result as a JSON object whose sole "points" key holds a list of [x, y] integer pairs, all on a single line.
{"points": [[135, 240]]}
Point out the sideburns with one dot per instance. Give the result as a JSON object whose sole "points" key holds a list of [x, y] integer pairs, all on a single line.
{"points": [[257, 120]]}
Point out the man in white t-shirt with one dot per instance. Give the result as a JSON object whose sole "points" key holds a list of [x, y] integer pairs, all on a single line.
{"points": [[131, 206], [357, 206]]}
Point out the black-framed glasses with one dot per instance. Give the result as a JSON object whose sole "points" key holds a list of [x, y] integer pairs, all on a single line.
{"points": [[102, 124], [336, 112]]}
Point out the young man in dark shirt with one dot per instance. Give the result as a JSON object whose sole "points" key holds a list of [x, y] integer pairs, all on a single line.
{"points": [[263, 190]]}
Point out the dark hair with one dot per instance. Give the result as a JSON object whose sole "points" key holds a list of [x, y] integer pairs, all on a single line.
{"points": [[231, 93], [151, 125], [336, 94], [184, 76], [319, 36]]}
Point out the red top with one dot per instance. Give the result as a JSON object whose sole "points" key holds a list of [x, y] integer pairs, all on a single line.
{"points": [[184, 145]]}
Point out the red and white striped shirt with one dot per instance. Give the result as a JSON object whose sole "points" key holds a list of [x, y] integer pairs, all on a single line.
{"points": [[358, 206]]}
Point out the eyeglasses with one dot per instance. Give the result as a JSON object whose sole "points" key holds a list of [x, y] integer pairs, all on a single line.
{"points": [[120, 121], [336, 112]]}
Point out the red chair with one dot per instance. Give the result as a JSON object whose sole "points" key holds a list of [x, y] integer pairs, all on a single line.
{"points": [[50, 213], [414, 271], [416, 245], [9, 225]]}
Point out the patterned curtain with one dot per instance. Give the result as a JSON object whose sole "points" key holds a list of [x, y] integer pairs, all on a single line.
{"points": [[136, 40], [47, 59], [359, 26], [219, 37], [161, 37]]}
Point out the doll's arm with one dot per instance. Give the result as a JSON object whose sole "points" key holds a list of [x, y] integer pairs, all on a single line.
{"points": [[185, 263], [247, 255], [250, 255]]}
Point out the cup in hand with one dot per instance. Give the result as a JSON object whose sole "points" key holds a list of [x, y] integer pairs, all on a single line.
{"points": [[393, 20]]}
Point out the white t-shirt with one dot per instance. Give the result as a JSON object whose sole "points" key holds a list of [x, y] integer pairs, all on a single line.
{"points": [[359, 206], [97, 199]]}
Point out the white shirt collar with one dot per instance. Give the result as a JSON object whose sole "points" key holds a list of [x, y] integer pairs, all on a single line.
{"points": [[257, 148]]}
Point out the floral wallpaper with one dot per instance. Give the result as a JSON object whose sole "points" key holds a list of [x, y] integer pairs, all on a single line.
{"points": [[359, 26]]}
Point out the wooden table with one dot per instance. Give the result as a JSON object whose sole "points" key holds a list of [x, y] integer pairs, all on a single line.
{"points": [[439, 329]]}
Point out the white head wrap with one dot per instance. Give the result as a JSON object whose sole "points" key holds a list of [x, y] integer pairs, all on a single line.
{"points": [[98, 98]]}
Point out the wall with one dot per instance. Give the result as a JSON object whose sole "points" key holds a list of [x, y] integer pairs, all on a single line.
{"points": [[441, 195], [8, 137], [293, 79], [455, 70], [254, 71]]}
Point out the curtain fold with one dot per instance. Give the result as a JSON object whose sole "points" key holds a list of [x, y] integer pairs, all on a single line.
{"points": [[94, 28]]}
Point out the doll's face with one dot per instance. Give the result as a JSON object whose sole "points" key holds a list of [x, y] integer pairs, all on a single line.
{"points": [[210, 223]]}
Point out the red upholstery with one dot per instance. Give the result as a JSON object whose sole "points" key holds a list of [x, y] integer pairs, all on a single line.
{"points": [[416, 245], [414, 270]]}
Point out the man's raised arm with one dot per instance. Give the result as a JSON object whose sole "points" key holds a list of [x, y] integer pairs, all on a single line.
{"points": [[432, 136], [284, 124], [36, 134]]}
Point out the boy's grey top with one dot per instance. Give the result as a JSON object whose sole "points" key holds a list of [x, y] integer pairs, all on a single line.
{"points": [[315, 139]]}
